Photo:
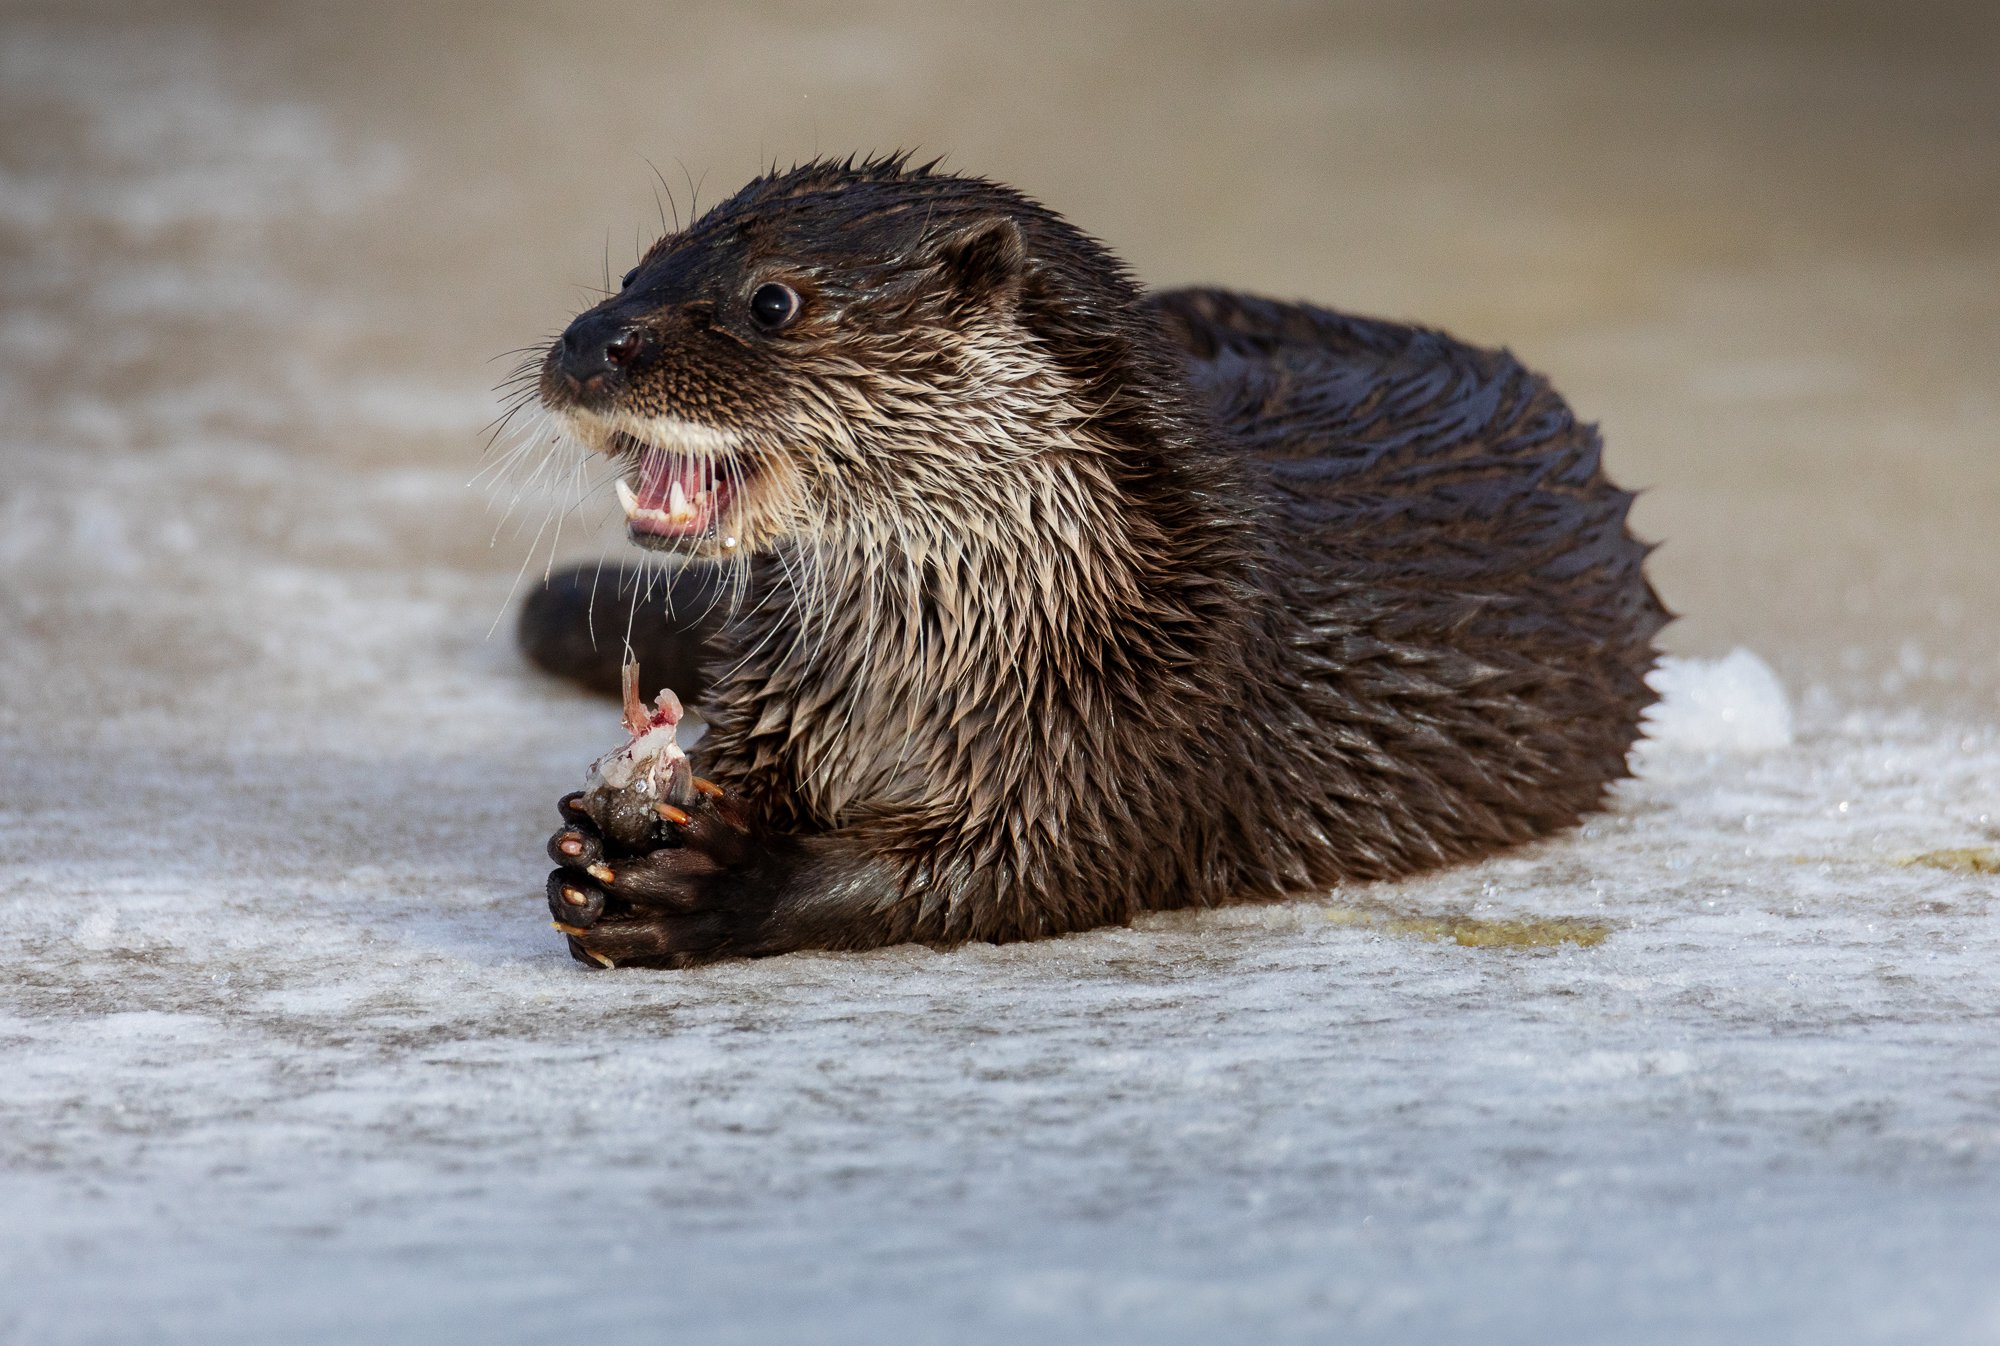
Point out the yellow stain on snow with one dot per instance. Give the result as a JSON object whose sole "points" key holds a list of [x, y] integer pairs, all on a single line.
{"points": [[1476, 932], [1958, 860]]}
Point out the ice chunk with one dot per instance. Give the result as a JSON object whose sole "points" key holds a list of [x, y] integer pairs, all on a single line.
{"points": [[1731, 704]]}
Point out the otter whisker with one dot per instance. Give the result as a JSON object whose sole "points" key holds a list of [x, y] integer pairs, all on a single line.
{"points": [[532, 482], [533, 437], [524, 443], [526, 560]]}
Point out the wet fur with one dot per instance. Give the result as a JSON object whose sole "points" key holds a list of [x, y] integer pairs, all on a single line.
{"points": [[1082, 602]]}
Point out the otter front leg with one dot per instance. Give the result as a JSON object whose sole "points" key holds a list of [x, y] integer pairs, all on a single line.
{"points": [[715, 887], [585, 623]]}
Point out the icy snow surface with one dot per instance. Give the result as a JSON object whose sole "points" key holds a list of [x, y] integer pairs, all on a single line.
{"points": [[289, 1053]]}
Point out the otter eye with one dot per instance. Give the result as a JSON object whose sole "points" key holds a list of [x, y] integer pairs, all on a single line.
{"points": [[774, 305], [626, 283]]}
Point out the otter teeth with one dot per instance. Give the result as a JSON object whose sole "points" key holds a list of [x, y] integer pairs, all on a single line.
{"points": [[680, 511]]}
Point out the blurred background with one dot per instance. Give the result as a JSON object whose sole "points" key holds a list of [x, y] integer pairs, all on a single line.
{"points": [[282, 1021], [259, 259]]}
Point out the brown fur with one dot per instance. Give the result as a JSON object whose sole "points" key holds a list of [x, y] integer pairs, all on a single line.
{"points": [[1062, 602]]}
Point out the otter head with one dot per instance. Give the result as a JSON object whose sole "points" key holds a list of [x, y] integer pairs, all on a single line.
{"points": [[842, 347]]}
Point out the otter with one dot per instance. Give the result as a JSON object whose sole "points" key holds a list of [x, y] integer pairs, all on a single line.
{"points": [[1046, 601]]}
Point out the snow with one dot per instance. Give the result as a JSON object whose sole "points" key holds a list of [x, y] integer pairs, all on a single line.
{"points": [[289, 1052], [302, 1052]]}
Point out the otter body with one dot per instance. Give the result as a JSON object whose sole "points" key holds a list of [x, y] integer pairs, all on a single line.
{"points": [[1055, 602]]}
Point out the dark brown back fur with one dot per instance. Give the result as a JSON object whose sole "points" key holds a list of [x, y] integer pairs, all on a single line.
{"points": [[1302, 598]]}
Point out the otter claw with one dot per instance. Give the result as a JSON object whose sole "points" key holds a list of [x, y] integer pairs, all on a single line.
{"points": [[707, 787], [680, 817], [572, 903], [602, 873], [576, 847], [582, 954]]}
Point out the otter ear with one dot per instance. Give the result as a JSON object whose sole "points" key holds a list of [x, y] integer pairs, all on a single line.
{"points": [[983, 259]]}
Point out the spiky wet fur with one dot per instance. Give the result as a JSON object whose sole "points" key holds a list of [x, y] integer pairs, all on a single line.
{"points": [[1071, 602]]}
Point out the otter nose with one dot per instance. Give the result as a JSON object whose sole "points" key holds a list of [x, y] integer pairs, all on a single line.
{"points": [[596, 347]]}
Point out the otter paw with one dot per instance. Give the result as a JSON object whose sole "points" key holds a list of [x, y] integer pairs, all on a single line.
{"points": [[679, 902]]}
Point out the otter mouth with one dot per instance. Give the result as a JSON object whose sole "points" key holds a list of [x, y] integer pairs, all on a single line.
{"points": [[672, 497]]}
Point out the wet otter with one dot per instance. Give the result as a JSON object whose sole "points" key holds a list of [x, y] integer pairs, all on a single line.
{"points": [[1061, 601]]}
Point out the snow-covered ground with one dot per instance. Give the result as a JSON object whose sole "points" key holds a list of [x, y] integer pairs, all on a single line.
{"points": [[288, 1051]]}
